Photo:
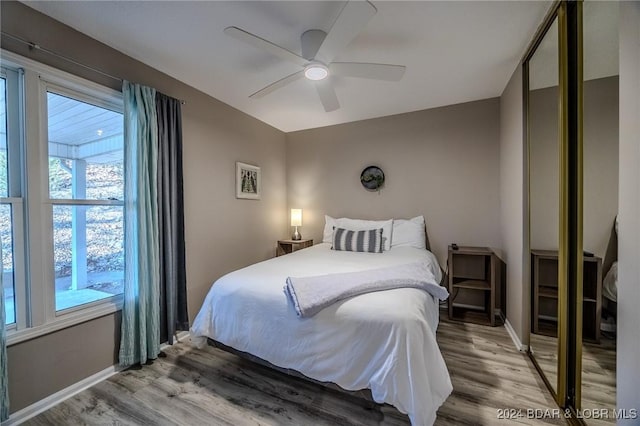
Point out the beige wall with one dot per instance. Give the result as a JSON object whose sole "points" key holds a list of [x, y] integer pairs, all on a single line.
{"points": [[513, 211], [442, 163], [40, 367], [544, 169], [628, 346], [222, 233], [601, 157], [600, 138]]}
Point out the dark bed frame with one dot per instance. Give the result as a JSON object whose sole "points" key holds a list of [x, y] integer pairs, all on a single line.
{"points": [[363, 394]]}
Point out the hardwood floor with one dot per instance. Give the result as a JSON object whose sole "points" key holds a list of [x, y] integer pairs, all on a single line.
{"points": [[599, 378], [213, 387], [598, 372], [489, 374]]}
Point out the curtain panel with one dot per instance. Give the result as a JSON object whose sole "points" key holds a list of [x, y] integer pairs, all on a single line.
{"points": [[140, 340], [173, 283], [155, 293]]}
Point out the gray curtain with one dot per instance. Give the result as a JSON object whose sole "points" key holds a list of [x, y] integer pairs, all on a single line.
{"points": [[173, 283]]}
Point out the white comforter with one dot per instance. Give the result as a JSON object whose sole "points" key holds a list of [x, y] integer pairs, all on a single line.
{"points": [[384, 341]]}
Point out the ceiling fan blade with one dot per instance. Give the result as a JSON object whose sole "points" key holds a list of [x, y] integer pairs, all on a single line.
{"points": [[373, 71], [263, 44], [277, 85], [352, 19], [328, 95]]}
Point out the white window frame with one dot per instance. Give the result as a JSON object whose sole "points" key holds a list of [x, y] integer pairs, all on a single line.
{"points": [[39, 281]]}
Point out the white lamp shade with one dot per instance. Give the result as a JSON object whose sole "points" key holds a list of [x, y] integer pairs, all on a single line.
{"points": [[296, 217]]}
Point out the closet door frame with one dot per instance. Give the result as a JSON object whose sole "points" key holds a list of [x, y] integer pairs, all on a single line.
{"points": [[557, 11], [575, 178], [570, 245]]}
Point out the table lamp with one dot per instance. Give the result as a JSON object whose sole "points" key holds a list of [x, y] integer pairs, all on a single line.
{"points": [[296, 220]]}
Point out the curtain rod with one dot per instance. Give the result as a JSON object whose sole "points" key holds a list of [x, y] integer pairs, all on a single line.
{"points": [[35, 46]]}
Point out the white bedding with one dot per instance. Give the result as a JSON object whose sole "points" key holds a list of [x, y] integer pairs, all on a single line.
{"points": [[610, 283], [384, 341]]}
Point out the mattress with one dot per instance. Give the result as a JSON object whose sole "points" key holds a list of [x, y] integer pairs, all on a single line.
{"points": [[383, 341]]}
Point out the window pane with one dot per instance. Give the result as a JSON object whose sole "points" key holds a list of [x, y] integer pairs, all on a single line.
{"points": [[3, 137], [85, 150], [88, 253], [6, 237]]}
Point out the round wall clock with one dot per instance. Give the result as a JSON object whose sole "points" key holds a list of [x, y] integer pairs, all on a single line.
{"points": [[372, 178]]}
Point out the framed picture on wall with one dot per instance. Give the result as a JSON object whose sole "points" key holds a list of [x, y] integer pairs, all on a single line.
{"points": [[248, 181]]}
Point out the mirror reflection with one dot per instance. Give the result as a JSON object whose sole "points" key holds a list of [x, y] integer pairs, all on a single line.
{"points": [[544, 187], [600, 206]]}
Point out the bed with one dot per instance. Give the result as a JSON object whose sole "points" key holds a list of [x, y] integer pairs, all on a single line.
{"points": [[383, 341]]}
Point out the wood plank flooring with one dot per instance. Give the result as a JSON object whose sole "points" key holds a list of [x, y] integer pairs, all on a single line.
{"points": [[213, 387], [598, 372], [599, 378]]}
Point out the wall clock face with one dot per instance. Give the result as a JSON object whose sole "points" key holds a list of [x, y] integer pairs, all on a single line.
{"points": [[372, 178]]}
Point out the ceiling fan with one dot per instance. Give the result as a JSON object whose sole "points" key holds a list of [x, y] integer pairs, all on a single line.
{"points": [[318, 51]]}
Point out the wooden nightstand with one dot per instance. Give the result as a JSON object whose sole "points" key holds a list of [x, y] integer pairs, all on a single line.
{"points": [[544, 279], [289, 246], [475, 273]]}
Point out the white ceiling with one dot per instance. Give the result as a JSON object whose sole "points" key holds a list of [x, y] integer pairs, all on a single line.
{"points": [[455, 51], [78, 130]]}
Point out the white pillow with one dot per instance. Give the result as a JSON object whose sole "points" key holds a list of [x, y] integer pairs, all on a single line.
{"points": [[329, 223], [409, 233], [358, 225]]}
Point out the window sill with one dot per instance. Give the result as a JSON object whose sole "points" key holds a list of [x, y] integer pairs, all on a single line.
{"points": [[65, 321]]}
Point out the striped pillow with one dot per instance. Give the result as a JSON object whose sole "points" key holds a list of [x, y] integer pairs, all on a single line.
{"points": [[369, 241]]}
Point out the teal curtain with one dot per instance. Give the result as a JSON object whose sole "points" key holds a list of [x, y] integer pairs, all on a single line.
{"points": [[140, 340], [4, 381]]}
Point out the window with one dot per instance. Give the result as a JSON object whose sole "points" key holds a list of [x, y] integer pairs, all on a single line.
{"points": [[61, 154], [10, 190], [7, 263], [86, 188], [5, 212]]}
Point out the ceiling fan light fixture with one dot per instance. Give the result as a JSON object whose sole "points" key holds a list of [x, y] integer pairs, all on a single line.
{"points": [[316, 72]]}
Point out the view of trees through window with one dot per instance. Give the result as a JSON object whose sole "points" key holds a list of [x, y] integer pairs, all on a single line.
{"points": [[100, 266], [86, 178], [6, 237], [6, 232]]}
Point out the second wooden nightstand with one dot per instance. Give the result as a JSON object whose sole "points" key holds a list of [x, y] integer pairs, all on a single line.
{"points": [[544, 279], [475, 270], [289, 246]]}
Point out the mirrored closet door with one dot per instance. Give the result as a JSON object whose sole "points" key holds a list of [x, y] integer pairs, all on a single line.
{"points": [[571, 118], [544, 160], [552, 102], [597, 391]]}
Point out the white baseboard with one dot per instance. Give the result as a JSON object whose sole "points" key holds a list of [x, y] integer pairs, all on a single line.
{"points": [[66, 393], [56, 398], [514, 336]]}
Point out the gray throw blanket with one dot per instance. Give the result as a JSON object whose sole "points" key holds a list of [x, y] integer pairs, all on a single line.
{"points": [[310, 295]]}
